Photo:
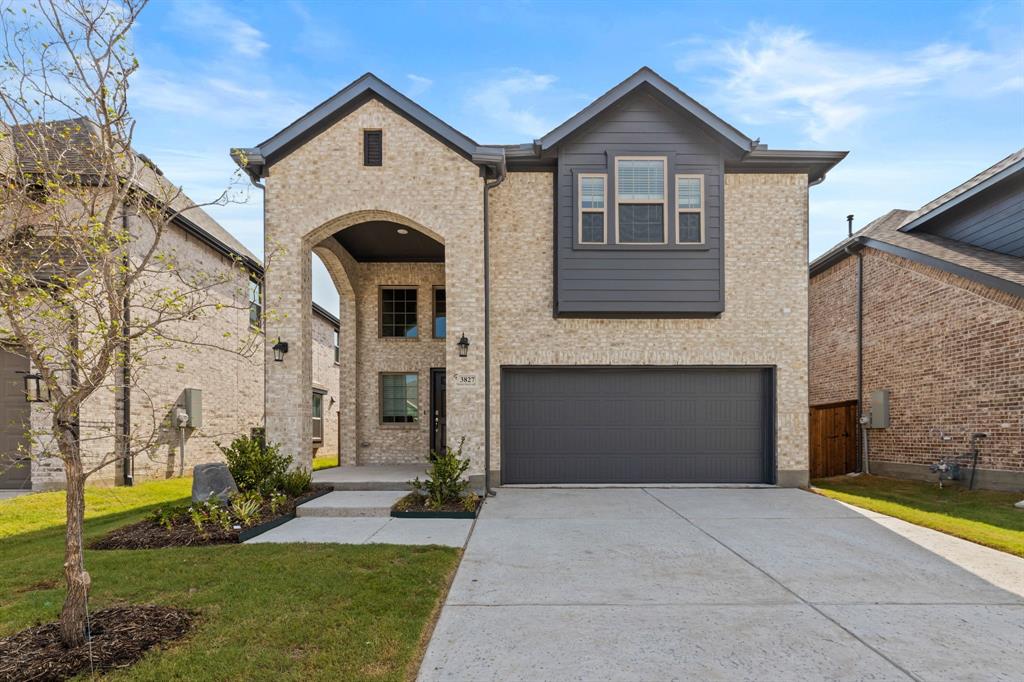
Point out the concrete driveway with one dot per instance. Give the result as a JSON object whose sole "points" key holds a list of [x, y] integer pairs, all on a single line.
{"points": [[721, 584]]}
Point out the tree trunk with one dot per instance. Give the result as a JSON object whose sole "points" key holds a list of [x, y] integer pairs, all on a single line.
{"points": [[73, 616]]}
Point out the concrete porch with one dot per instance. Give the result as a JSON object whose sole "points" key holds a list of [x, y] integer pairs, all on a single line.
{"points": [[370, 476]]}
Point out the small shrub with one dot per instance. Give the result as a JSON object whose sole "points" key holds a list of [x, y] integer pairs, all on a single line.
{"points": [[255, 465], [246, 508], [295, 482], [445, 483]]}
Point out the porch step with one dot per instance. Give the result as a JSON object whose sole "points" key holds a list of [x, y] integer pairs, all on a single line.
{"points": [[393, 477], [351, 503]]}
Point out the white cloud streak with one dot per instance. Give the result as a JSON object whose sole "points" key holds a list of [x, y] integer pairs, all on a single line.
{"points": [[506, 101], [784, 74]]}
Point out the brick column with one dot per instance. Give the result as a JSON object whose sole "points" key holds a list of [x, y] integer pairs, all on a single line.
{"points": [[288, 311]]}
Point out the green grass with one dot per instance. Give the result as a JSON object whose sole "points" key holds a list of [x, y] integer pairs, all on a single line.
{"points": [[283, 612], [983, 516], [325, 462]]}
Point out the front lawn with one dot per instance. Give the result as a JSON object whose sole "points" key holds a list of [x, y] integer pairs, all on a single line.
{"points": [[289, 612], [983, 516]]}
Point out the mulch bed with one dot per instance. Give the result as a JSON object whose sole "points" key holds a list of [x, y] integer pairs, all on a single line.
{"points": [[414, 502], [148, 534], [120, 636]]}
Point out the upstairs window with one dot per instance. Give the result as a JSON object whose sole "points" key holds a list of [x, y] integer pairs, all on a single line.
{"points": [[255, 304], [373, 148], [690, 209], [640, 200], [398, 313], [337, 346], [440, 314], [593, 199]]}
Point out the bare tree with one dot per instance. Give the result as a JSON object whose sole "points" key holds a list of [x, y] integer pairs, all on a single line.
{"points": [[88, 290]]}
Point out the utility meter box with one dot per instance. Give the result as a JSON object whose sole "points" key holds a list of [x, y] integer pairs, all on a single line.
{"points": [[879, 409], [192, 401]]}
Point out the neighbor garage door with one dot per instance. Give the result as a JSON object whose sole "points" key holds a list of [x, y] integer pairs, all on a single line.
{"points": [[636, 425]]}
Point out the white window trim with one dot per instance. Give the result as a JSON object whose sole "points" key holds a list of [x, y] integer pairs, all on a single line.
{"points": [[664, 200], [700, 211], [580, 210]]}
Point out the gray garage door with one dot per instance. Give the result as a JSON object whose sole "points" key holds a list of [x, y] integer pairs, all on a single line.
{"points": [[636, 425]]}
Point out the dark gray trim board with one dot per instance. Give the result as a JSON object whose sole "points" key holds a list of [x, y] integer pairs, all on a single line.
{"points": [[986, 479], [952, 268], [857, 243], [645, 76], [364, 88], [964, 196]]}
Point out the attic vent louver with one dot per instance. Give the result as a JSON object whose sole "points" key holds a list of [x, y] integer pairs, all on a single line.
{"points": [[373, 148]]}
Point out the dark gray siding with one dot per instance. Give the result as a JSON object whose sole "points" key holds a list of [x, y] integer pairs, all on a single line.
{"points": [[993, 220], [636, 425], [639, 280]]}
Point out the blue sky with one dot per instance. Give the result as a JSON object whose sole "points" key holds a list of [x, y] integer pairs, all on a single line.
{"points": [[922, 94]]}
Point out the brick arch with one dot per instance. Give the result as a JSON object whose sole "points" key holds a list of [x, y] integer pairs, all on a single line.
{"points": [[336, 225]]}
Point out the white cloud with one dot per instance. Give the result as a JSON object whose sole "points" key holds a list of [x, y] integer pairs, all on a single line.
{"points": [[418, 84], [506, 102], [785, 74], [244, 39]]}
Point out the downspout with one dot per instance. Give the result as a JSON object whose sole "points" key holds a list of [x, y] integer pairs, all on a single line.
{"points": [[488, 186], [859, 312], [128, 463]]}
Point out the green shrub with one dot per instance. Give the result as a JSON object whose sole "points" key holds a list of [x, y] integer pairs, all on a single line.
{"points": [[445, 483], [255, 465], [295, 482]]}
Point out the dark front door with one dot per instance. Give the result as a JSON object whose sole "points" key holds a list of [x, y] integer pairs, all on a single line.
{"points": [[637, 425], [438, 410]]}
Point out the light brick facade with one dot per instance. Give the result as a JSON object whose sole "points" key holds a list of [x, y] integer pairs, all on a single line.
{"points": [[422, 184], [949, 350], [764, 322]]}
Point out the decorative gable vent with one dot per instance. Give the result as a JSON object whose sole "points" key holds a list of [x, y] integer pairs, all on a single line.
{"points": [[373, 147]]}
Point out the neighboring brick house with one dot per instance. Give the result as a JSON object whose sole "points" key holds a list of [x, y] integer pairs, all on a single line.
{"points": [[231, 384], [623, 300], [943, 328]]}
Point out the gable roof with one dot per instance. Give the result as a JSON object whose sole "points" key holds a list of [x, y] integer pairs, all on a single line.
{"points": [[255, 159], [994, 174], [647, 76], [996, 270]]}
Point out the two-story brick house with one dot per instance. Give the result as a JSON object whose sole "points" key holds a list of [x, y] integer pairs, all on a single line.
{"points": [[941, 320], [623, 300]]}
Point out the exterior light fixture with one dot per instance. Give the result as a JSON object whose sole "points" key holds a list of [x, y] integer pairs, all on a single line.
{"points": [[36, 390], [280, 348], [463, 345]]}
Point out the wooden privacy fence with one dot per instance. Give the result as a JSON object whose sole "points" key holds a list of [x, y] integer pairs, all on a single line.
{"points": [[833, 440]]}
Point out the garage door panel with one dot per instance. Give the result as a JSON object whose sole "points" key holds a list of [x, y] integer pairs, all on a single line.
{"points": [[634, 425]]}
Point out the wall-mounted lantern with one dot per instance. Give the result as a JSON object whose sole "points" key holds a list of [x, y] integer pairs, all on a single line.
{"points": [[280, 348], [36, 390], [463, 345]]}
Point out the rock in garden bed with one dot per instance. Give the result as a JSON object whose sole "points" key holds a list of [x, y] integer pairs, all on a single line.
{"points": [[203, 524], [120, 636], [415, 505]]}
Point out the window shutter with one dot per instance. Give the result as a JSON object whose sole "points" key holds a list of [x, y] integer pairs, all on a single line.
{"points": [[373, 148]]}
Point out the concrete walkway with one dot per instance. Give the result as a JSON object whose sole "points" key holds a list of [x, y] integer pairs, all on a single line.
{"points": [[369, 530], [771, 584]]}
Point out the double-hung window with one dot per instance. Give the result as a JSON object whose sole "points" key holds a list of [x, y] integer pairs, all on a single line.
{"points": [[640, 191], [593, 197], [690, 209], [399, 398]]}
